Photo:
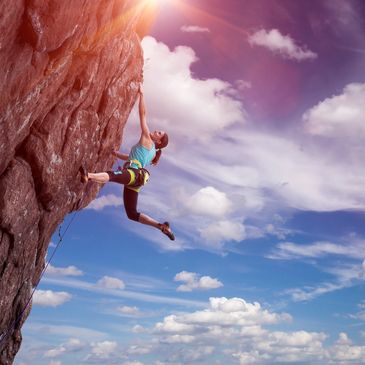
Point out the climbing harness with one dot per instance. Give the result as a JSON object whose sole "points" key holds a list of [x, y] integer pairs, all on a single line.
{"points": [[139, 177]]}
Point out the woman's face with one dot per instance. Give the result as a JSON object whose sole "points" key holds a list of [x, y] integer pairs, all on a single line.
{"points": [[157, 135]]}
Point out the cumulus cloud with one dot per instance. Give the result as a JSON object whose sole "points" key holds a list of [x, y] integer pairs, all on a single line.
{"points": [[344, 352], [340, 115], [63, 271], [221, 312], [281, 347], [49, 298], [192, 281], [281, 44], [222, 231], [103, 350], [209, 201], [194, 29], [108, 282], [104, 201], [172, 82], [241, 325]]}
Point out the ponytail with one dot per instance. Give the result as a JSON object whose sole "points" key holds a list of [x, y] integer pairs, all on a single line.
{"points": [[163, 143], [157, 157]]}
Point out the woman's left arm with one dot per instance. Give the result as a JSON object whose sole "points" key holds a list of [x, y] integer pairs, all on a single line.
{"points": [[145, 139]]}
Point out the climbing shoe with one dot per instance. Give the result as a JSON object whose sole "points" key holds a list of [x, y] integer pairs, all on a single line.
{"points": [[165, 229], [83, 172]]}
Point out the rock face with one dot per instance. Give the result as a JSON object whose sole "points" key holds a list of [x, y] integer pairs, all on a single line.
{"points": [[69, 73]]}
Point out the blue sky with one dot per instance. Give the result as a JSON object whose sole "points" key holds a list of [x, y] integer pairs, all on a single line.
{"points": [[263, 184]]}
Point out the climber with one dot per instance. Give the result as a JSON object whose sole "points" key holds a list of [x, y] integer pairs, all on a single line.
{"points": [[133, 175]]}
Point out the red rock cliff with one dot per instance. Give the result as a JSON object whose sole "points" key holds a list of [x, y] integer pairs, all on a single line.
{"points": [[69, 73]]}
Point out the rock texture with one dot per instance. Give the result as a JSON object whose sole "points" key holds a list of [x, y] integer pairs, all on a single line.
{"points": [[69, 73]]}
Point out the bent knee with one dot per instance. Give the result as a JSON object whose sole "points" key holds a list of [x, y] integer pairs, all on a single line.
{"points": [[133, 215]]}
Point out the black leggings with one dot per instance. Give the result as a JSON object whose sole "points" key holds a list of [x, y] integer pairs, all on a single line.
{"points": [[130, 197]]}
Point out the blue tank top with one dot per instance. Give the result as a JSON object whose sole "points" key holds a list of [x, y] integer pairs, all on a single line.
{"points": [[141, 154]]}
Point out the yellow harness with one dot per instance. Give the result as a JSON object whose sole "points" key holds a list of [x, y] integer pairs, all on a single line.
{"points": [[139, 177]]}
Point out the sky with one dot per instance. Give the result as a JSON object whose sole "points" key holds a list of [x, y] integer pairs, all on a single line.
{"points": [[263, 184]]}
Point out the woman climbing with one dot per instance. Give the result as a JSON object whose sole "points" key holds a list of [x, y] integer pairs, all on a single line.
{"points": [[134, 175]]}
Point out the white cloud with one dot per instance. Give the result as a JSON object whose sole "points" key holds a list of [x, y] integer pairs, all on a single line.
{"points": [[73, 344], [139, 350], [223, 231], [63, 271], [138, 329], [135, 295], [178, 339], [49, 298], [221, 312], [281, 347], [104, 201], [243, 85], [55, 362], [344, 352], [132, 363], [129, 311], [241, 325], [103, 350], [192, 281], [194, 29], [282, 44], [290, 250], [340, 115], [192, 109], [309, 293], [209, 201], [346, 276], [55, 352], [108, 282]]}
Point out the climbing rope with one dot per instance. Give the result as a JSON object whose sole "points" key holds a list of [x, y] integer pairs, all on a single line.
{"points": [[9, 331]]}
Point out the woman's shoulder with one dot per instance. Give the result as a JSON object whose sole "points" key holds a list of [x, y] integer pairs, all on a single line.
{"points": [[146, 143]]}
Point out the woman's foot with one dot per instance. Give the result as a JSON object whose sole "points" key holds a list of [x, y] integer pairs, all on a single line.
{"points": [[165, 229], [84, 176]]}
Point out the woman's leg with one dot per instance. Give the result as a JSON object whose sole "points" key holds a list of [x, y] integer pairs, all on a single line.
{"points": [[120, 177], [145, 219], [130, 198], [100, 177]]}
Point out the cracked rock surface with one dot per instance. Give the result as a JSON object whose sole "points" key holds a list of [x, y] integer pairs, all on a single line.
{"points": [[69, 75]]}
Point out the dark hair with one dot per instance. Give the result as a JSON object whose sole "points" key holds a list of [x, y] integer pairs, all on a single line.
{"points": [[163, 143]]}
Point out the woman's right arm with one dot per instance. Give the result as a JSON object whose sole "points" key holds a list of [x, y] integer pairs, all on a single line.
{"points": [[122, 156]]}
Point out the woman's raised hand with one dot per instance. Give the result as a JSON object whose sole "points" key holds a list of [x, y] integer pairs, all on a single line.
{"points": [[140, 89]]}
